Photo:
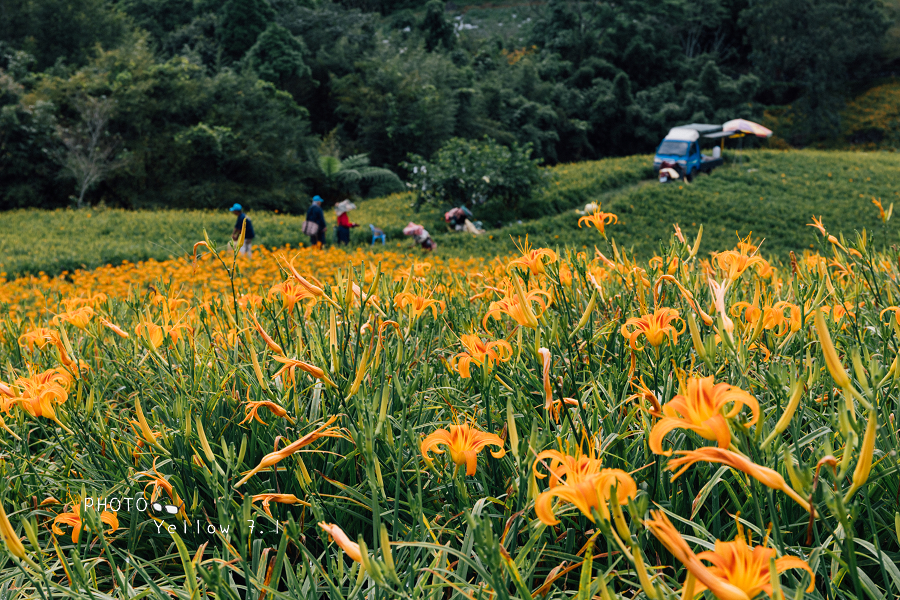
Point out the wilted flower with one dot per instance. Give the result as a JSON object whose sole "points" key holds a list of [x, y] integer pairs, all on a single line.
{"points": [[279, 498], [340, 538], [273, 458]]}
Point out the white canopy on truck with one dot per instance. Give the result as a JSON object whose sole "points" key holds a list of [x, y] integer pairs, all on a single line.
{"points": [[683, 134]]}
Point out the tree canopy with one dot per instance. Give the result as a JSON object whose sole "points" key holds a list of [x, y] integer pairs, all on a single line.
{"points": [[219, 100]]}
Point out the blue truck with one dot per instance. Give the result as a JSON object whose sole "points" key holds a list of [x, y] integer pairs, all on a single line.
{"points": [[678, 156]]}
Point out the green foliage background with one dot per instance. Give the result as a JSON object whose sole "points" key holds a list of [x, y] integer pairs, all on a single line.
{"points": [[220, 101]]}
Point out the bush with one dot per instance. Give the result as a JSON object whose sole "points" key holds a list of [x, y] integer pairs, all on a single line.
{"points": [[468, 172]]}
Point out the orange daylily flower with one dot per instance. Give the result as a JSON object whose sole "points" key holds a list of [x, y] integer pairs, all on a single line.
{"points": [[599, 220], [702, 407], [253, 300], [417, 270], [279, 498], [737, 572], [671, 268], [817, 223], [74, 520], [735, 263], [418, 304], [340, 538], [151, 332], [773, 317], [479, 353], [565, 274], [273, 458], [464, 443], [764, 475], [533, 259], [292, 293], [893, 309], [37, 394], [656, 328], [79, 317], [315, 291], [518, 306], [93, 301], [566, 469], [252, 409], [594, 492], [39, 338], [160, 484]]}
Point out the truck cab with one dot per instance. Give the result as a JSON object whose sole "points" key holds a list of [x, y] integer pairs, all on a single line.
{"points": [[680, 150]]}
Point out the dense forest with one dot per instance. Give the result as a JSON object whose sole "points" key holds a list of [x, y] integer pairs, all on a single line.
{"points": [[199, 103]]}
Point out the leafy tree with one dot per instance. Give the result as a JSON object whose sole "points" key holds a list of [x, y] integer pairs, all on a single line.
{"points": [[88, 152], [478, 173], [159, 17], [438, 30], [194, 140], [66, 30], [395, 103], [27, 133], [810, 49], [241, 24], [277, 57]]}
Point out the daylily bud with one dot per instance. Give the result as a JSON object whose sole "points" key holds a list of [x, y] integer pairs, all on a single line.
{"points": [[13, 543], [695, 336], [864, 464], [696, 243], [587, 312], [146, 432], [253, 358], [788, 413], [511, 428], [643, 577], [831, 358]]}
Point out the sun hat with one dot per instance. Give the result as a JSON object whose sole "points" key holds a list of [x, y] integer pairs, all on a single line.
{"points": [[317, 199], [343, 207], [236, 207]]}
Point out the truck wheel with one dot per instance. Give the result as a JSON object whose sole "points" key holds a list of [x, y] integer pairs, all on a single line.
{"points": [[690, 176]]}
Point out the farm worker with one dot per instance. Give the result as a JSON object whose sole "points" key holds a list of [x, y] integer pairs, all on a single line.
{"points": [[420, 235], [315, 224], [343, 221], [245, 250]]}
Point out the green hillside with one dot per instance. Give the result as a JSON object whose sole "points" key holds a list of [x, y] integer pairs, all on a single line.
{"points": [[772, 194]]}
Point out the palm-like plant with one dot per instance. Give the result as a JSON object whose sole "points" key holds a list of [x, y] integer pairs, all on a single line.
{"points": [[348, 177]]}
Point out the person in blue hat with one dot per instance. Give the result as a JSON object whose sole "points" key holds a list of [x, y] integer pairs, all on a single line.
{"points": [[315, 224], [249, 234]]}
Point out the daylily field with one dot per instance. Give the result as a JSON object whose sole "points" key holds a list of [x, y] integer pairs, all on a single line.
{"points": [[553, 424]]}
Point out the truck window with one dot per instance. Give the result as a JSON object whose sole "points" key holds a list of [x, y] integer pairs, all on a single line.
{"points": [[694, 148], [673, 147]]}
